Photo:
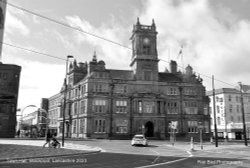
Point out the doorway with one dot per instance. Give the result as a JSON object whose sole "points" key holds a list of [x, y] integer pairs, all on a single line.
{"points": [[238, 135], [149, 129]]}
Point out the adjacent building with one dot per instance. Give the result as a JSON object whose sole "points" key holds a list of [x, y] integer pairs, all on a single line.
{"points": [[110, 103], [35, 124], [228, 111], [9, 86]]}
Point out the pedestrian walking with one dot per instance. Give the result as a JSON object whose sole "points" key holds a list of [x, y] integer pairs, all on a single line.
{"points": [[48, 138]]}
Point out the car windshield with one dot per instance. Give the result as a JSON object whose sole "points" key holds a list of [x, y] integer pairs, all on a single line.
{"points": [[139, 137]]}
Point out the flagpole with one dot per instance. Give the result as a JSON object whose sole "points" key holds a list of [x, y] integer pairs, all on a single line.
{"points": [[181, 54], [215, 124], [169, 54]]}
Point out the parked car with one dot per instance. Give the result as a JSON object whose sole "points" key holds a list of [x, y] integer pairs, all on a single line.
{"points": [[139, 139]]}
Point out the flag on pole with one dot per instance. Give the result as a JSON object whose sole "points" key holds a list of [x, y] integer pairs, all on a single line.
{"points": [[180, 52]]}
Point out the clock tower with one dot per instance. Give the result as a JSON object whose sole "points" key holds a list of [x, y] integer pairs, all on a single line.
{"points": [[144, 60]]}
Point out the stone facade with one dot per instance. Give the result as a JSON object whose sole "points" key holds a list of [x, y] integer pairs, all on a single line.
{"points": [[109, 103]]}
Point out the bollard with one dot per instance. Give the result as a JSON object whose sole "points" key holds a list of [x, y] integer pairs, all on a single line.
{"points": [[191, 144]]}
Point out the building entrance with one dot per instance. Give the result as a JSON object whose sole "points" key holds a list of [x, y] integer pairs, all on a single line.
{"points": [[238, 135], [149, 129]]}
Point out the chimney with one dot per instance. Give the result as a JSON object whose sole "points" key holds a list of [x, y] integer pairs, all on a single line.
{"points": [[173, 66], [92, 64], [189, 70]]}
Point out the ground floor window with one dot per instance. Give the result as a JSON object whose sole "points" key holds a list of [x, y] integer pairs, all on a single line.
{"points": [[100, 126], [121, 126], [192, 126], [82, 126], [60, 128], [206, 126], [74, 126]]}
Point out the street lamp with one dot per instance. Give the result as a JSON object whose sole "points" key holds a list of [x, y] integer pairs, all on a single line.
{"points": [[112, 85], [200, 127], [64, 98], [226, 133], [243, 114], [215, 122]]}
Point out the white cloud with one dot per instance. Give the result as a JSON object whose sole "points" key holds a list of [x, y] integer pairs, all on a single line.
{"points": [[39, 80], [215, 42], [113, 55], [212, 44], [13, 23]]}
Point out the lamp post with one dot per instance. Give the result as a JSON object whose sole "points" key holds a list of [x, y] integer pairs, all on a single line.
{"points": [[200, 127], [215, 122], [225, 117], [64, 98], [243, 114], [112, 85]]}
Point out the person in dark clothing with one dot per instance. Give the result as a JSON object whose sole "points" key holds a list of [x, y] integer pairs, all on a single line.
{"points": [[55, 143], [18, 133], [48, 138]]}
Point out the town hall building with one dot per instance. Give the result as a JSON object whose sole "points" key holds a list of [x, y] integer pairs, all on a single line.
{"points": [[117, 104]]}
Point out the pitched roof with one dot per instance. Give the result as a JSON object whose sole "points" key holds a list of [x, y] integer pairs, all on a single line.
{"points": [[169, 77], [121, 74], [223, 90]]}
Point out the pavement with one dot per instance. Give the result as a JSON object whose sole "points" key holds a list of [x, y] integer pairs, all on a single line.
{"points": [[17, 149], [207, 146]]}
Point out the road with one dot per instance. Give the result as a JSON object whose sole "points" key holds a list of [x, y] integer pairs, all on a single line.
{"points": [[158, 148], [120, 154]]}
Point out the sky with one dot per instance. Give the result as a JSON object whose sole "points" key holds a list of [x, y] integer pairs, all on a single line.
{"points": [[214, 36]]}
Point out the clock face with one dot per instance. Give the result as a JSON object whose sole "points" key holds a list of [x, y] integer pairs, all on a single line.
{"points": [[146, 41]]}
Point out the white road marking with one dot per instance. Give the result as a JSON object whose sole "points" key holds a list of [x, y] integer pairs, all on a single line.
{"points": [[156, 157], [165, 163], [190, 154]]}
